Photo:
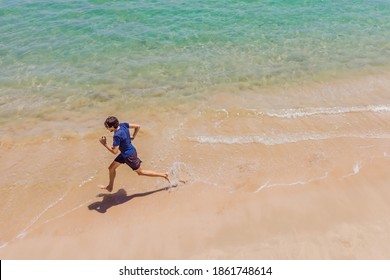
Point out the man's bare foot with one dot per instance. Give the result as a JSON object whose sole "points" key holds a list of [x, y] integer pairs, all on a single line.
{"points": [[108, 188]]}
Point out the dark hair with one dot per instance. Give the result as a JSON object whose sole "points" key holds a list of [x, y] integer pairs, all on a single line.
{"points": [[111, 122]]}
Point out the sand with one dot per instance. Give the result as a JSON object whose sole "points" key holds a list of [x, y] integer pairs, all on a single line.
{"points": [[250, 185], [345, 218]]}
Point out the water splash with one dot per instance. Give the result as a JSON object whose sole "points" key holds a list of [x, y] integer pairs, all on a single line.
{"points": [[179, 173]]}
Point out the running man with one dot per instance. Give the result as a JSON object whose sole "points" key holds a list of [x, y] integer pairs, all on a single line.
{"points": [[128, 153]]}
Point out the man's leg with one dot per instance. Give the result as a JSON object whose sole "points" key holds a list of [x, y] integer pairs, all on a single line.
{"points": [[112, 173], [150, 173]]}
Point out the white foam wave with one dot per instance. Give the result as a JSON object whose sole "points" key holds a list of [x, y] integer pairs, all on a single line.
{"points": [[277, 139], [300, 182], [292, 113], [89, 179], [355, 170], [69, 211], [23, 233], [311, 111]]}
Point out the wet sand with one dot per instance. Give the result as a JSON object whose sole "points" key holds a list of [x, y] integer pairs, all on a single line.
{"points": [[321, 220], [251, 185]]}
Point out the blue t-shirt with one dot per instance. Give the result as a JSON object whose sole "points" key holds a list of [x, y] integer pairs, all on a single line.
{"points": [[123, 140]]}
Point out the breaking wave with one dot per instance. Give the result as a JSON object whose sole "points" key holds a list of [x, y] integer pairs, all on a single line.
{"points": [[277, 139]]}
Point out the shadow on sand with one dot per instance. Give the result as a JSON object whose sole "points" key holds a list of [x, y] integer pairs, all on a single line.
{"points": [[120, 197]]}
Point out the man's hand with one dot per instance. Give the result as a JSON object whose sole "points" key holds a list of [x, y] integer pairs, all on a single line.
{"points": [[114, 150], [103, 140]]}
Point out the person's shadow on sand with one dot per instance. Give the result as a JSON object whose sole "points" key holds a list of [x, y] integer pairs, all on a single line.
{"points": [[117, 198]]}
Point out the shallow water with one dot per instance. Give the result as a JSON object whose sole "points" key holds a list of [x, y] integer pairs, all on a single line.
{"points": [[74, 55]]}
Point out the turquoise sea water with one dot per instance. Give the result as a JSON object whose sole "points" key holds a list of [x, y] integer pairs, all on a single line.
{"points": [[80, 52]]}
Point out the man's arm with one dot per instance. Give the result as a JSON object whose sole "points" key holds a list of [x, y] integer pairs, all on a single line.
{"points": [[136, 127], [113, 150]]}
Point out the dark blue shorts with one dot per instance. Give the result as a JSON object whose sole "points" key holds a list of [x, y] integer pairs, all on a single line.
{"points": [[133, 161]]}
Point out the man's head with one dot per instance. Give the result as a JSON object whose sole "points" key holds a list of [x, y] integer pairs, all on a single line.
{"points": [[111, 123]]}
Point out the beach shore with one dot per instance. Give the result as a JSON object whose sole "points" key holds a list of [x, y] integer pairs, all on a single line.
{"points": [[306, 182]]}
